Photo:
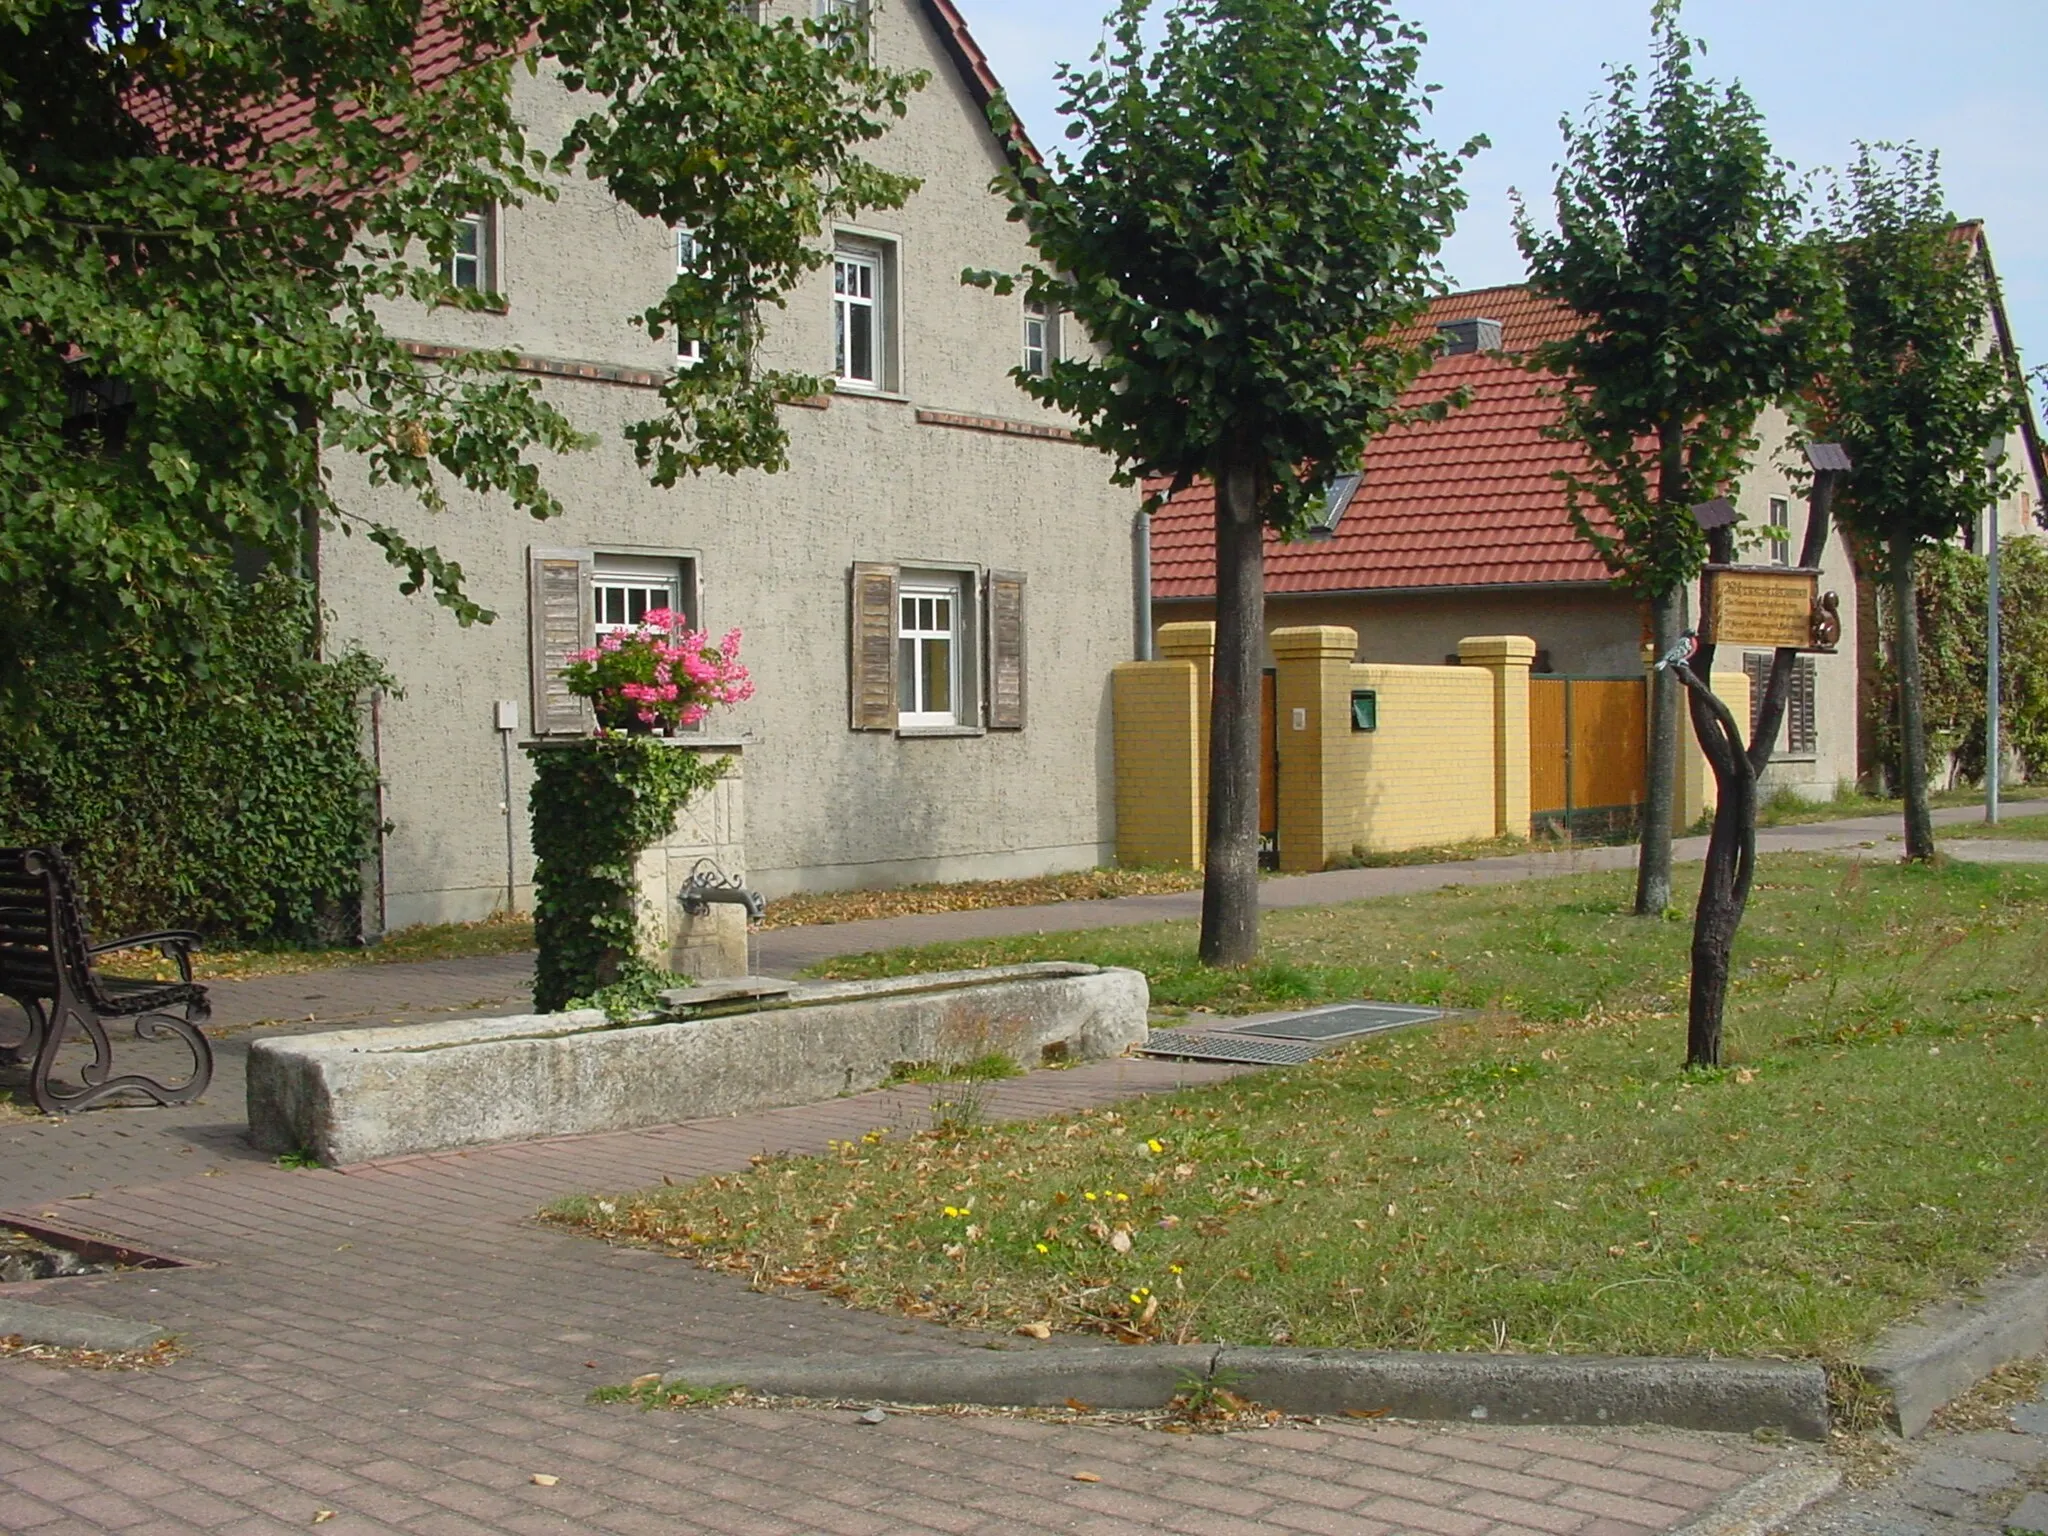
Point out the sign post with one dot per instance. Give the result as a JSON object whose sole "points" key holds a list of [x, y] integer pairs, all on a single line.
{"points": [[1770, 606]]}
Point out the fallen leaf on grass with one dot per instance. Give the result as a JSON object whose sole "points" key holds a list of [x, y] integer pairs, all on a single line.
{"points": [[1035, 1330], [652, 1378], [1120, 1241], [545, 1479], [1078, 1406]]}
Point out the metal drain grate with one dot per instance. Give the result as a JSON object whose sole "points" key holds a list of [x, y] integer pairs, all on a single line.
{"points": [[1197, 1045], [1341, 1022]]}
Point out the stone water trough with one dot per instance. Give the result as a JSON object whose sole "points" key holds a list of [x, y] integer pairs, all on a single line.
{"points": [[352, 1096]]}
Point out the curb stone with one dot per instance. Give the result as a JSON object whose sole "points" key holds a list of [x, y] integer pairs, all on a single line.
{"points": [[2031, 1518], [1720, 1395], [1770, 1503], [74, 1328], [1933, 1359]]}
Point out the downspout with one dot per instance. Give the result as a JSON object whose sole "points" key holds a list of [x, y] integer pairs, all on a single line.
{"points": [[1141, 536]]}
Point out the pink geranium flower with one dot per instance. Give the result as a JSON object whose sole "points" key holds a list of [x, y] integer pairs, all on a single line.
{"points": [[659, 676]]}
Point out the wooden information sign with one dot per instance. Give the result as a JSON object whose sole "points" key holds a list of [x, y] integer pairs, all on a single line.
{"points": [[1765, 605]]}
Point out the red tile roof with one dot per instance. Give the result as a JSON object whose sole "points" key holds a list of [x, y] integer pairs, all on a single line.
{"points": [[1467, 501]]}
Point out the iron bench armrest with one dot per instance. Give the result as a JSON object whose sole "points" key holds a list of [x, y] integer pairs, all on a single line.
{"points": [[177, 943]]}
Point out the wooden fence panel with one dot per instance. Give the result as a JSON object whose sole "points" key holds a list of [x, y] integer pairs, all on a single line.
{"points": [[1546, 745]]}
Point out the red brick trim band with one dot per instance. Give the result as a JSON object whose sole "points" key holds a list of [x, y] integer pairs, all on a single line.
{"points": [[994, 424]]}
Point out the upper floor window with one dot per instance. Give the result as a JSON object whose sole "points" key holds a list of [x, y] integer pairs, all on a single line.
{"points": [[857, 16], [859, 312], [470, 264], [1781, 531], [689, 262], [1041, 338]]}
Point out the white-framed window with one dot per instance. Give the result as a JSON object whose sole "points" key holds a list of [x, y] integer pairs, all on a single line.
{"points": [[471, 265], [859, 316], [928, 650], [624, 589], [857, 15], [1041, 338], [1781, 531], [689, 263]]}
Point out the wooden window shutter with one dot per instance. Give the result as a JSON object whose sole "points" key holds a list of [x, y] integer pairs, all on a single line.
{"points": [[1759, 669], [558, 623], [1803, 738], [1005, 650], [872, 651]]}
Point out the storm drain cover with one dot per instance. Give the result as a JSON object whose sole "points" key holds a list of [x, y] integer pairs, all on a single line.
{"points": [[1341, 1022], [1198, 1045]]}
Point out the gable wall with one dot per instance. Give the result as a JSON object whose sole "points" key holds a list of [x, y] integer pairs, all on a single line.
{"points": [[826, 806]]}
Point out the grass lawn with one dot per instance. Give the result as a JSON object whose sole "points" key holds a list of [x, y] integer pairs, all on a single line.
{"points": [[1539, 1175], [434, 941], [2016, 823], [1786, 808]]}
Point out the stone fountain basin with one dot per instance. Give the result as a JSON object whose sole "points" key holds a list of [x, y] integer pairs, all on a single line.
{"points": [[355, 1096]]}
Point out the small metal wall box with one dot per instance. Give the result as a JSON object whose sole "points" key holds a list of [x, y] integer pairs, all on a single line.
{"points": [[1365, 709]]}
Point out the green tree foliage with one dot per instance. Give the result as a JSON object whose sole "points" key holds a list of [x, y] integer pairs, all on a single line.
{"points": [[1677, 243], [209, 211], [1951, 587], [1916, 402], [239, 804], [1252, 218]]}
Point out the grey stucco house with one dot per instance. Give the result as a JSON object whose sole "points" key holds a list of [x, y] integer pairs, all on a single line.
{"points": [[932, 594]]}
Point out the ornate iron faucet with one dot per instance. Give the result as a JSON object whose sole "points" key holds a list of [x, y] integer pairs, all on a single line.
{"points": [[709, 883]]}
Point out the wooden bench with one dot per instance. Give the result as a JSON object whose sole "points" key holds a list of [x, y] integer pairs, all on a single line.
{"points": [[48, 966]]}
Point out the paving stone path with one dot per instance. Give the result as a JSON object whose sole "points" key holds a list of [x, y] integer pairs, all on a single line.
{"points": [[1969, 1483], [404, 1345]]}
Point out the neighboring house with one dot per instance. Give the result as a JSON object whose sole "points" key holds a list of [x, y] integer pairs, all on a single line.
{"points": [[932, 594], [1461, 527]]}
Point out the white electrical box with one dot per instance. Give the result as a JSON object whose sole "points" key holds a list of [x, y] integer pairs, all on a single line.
{"points": [[1301, 719], [508, 715]]}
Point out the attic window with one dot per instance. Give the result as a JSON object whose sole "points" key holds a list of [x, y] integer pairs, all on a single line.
{"points": [[1323, 526], [1459, 336]]}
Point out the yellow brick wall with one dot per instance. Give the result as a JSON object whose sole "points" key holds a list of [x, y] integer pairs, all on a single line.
{"points": [[1696, 795], [1427, 774], [1159, 760]]}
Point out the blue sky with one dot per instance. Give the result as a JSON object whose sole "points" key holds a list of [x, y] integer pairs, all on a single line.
{"points": [[1969, 78]]}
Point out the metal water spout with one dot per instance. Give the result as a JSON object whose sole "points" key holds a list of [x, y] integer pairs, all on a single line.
{"points": [[708, 883]]}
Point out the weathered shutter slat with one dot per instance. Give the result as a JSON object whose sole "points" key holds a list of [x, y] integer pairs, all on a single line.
{"points": [[558, 623], [872, 650], [1804, 738], [1005, 650], [1759, 670]]}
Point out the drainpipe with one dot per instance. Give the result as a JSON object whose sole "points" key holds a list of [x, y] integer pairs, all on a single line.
{"points": [[1141, 536]]}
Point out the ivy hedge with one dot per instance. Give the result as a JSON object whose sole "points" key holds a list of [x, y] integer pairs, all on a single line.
{"points": [[237, 802], [1953, 589], [597, 804]]}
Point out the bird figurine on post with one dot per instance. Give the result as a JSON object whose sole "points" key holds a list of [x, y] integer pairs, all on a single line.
{"points": [[1682, 650]]}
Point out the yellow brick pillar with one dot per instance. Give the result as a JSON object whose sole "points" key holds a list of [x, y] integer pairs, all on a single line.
{"points": [[1507, 658], [1158, 763], [1195, 643], [1312, 706]]}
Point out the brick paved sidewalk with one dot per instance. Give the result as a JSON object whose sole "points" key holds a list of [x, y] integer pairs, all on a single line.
{"points": [[405, 1346]]}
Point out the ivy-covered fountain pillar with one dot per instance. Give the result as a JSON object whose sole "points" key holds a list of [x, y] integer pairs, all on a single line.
{"points": [[631, 821]]}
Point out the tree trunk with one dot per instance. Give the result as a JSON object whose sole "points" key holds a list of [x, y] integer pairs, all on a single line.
{"points": [[1653, 858], [1731, 848], [1230, 883], [1731, 865], [1912, 728]]}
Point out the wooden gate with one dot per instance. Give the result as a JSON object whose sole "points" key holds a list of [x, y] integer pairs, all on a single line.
{"points": [[1588, 746]]}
